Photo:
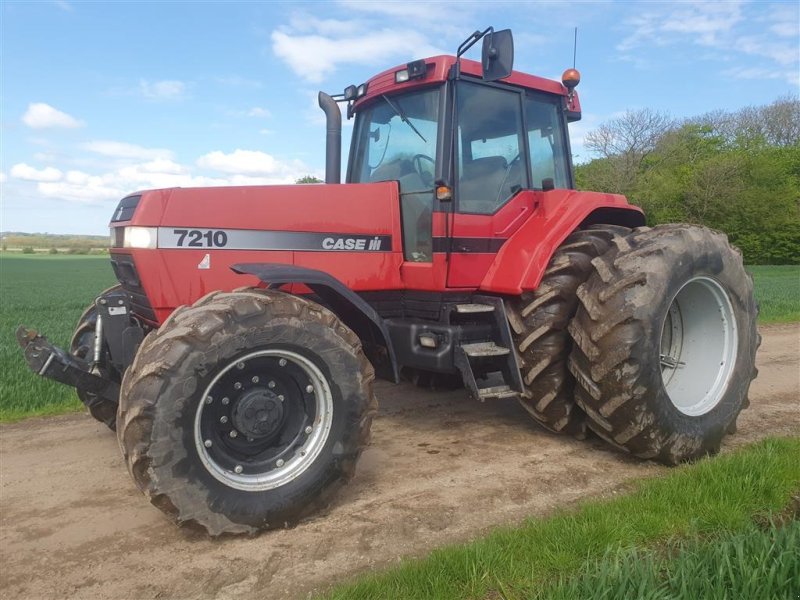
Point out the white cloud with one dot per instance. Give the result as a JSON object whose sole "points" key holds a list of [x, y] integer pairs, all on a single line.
{"points": [[259, 112], [432, 10], [28, 173], [245, 162], [725, 27], [255, 112], [313, 56], [124, 150], [162, 90], [763, 74], [3, 177], [703, 23], [241, 167], [41, 115], [783, 53]]}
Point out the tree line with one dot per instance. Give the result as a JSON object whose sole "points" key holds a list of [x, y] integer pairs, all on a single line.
{"points": [[738, 172]]}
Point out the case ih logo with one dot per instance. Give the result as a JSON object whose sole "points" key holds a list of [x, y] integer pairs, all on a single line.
{"points": [[351, 243], [254, 239]]}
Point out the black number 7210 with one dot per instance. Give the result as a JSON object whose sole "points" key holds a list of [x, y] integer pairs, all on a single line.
{"points": [[198, 238]]}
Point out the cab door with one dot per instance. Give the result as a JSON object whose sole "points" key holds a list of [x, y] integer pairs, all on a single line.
{"points": [[512, 144], [491, 176]]}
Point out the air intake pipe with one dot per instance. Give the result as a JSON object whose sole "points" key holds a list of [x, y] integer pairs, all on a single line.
{"points": [[333, 138]]}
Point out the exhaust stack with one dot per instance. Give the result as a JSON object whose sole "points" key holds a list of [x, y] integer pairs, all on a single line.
{"points": [[333, 138]]}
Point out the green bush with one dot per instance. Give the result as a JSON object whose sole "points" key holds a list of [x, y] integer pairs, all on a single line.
{"points": [[53, 250], [27, 250]]}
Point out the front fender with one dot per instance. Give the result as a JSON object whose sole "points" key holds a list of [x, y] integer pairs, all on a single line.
{"points": [[522, 260], [343, 302]]}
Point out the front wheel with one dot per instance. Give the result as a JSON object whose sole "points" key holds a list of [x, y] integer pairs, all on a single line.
{"points": [[665, 342], [246, 411]]}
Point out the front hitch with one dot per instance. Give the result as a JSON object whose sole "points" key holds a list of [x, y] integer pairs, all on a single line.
{"points": [[51, 362]]}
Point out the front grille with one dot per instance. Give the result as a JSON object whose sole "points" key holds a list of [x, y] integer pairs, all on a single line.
{"points": [[128, 277]]}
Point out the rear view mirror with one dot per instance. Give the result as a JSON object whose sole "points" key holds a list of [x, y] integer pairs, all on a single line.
{"points": [[497, 57]]}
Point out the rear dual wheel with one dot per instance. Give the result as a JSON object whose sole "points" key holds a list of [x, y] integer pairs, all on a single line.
{"points": [[245, 411], [665, 342]]}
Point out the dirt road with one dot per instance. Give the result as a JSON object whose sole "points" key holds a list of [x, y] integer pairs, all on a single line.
{"points": [[440, 469]]}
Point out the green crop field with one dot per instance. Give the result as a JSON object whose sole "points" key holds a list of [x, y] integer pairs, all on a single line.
{"points": [[49, 293], [777, 292]]}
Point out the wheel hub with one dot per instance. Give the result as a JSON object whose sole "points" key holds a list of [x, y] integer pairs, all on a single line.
{"points": [[259, 413]]}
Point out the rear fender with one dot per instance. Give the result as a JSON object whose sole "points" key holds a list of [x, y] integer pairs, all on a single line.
{"points": [[522, 260], [344, 302]]}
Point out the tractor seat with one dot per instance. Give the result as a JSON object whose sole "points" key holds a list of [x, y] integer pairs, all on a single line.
{"points": [[481, 180]]}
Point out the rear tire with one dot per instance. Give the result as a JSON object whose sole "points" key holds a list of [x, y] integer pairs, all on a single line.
{"points": [[665, 342], [245, 411], [539, 322], [82, 346]]}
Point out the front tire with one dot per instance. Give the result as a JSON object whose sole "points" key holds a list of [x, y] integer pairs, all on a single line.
{"points": [[245, 411], [665, 342]]}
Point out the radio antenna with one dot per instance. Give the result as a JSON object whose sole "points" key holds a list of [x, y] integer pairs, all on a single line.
{"points": [[575, 48]]}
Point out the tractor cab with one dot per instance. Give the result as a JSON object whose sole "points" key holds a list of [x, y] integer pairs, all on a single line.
{"points": [[459, 137]]}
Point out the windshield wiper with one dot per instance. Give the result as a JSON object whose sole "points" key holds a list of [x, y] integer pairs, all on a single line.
{"points": [[403, 117]]}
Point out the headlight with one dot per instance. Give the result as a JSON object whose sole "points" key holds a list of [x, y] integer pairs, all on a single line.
{"points": [[134, 237]]}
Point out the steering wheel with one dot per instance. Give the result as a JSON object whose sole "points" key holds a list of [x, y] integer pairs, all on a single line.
{"points": [[427, 177]]}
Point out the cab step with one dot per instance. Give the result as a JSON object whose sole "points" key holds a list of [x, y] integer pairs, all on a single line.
{"points": [[496, 392], [488, 364], [468, 309], [484, 350]]}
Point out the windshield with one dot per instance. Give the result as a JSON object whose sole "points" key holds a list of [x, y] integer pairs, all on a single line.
{"points": [[396, 140]]}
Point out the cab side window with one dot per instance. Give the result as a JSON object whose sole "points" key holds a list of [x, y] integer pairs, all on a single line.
{"points": [[546, 141], [492, 165]]}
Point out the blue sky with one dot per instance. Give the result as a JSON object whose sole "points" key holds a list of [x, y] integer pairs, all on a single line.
{"points": [[104, 98]]}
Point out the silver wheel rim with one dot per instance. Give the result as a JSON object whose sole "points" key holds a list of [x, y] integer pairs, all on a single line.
{"points": [[304, 455], [699, 341]]}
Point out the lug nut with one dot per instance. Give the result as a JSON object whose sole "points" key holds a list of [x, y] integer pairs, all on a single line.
{"points": [[271, 385], [240, 365], [281, 398], [310, 389], [237, 469], [226, 400], [255, 379], [282, 362], [207, 443], [209, 399], [309, 429], [279, 462], [237, 386], [223, 419], [233, 433]]}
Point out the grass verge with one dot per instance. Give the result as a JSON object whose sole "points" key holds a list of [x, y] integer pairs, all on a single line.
{"points": [[756, 563], [709, 498]]}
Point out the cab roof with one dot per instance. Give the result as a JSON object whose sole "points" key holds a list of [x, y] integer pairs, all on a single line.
{"points": [[438, 68]]}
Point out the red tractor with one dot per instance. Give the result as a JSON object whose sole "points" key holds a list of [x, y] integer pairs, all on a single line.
{"points": [[236, 357]]}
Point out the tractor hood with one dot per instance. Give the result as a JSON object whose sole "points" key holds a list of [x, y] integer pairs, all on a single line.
{"points": [[286, 217]]}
